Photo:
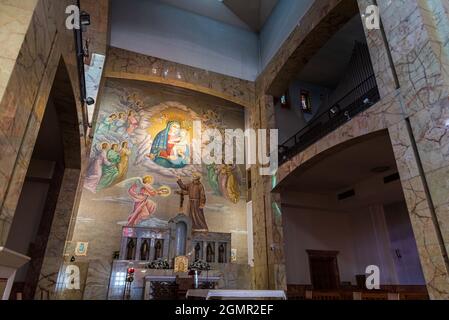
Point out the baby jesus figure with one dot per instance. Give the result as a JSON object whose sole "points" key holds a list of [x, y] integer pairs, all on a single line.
{"points": [[180, 149]]}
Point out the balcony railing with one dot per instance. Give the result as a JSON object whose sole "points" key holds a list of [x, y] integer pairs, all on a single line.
{"points": [[354, 102]]}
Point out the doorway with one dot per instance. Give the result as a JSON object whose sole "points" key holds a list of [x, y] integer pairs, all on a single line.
{"points": [[324, 269]]}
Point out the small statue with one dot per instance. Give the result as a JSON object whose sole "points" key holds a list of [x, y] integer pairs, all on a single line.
{"points": [[197, 252], [158, 250], [144, 250], [131, 249], [210, 253], [221, 254]]}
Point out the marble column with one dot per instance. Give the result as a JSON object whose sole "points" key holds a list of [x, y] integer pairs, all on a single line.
{"points": [[415, 35], [54, 259], [269, 264]]}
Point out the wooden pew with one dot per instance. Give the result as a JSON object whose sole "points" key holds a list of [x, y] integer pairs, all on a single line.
{"points": [[326, 295], [391, 292]]}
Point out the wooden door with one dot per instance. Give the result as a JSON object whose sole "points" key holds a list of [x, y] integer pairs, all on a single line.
{"points": [[324, 272]]}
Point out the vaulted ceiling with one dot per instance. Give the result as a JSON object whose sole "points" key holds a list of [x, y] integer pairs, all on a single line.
{"points": [[247, 14]]}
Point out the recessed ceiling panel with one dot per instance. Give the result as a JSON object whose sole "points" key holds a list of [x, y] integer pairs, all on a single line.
{"points": [[247, 14]]}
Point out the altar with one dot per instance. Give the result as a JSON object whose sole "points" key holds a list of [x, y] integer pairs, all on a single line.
{"points": [[168, 287], [150, 253], [209, 294]]}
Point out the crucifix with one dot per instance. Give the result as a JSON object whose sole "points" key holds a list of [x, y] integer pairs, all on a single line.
{"points": [[181, 193]]}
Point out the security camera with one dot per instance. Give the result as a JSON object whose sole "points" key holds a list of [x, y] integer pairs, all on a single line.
{"points": [[90, 101], [367, 101]]}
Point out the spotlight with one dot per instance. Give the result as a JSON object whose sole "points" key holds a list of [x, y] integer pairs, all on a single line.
{"points": [[367, 101], [334, 111], [85, 18], [90, 101]]}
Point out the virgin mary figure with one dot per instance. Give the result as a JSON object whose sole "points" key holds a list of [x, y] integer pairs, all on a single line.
{"points": [[165, 151]]}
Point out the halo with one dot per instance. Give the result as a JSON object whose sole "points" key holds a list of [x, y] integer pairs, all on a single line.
{"points": [[165, 191], [148, 177]]}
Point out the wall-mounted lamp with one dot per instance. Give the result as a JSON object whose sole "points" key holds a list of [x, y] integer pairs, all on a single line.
{"points": [[334, 111], [84, 20], [367, 101]]}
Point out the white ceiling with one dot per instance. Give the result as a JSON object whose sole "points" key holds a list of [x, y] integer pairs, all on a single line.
{"points": [[246, 14]]}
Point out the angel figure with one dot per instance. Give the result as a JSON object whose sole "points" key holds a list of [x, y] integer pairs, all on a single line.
{"points": [[229, 183], [141, 192]]}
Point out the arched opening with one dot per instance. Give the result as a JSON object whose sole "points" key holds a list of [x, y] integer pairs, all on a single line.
{"points": [[344, 211], [43, 197]]}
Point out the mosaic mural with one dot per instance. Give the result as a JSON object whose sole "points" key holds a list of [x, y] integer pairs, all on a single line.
{"points": [[142, 150]]}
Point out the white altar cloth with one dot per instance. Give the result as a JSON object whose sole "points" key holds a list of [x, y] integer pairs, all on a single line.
{"points": [[236, 294]]}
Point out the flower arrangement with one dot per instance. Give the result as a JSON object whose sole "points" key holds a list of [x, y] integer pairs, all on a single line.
{"points": [[159, 264], [200, 265]]}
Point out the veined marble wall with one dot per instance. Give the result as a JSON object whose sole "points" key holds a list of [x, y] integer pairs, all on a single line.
{"points": [[269, 260], [15, 18], [43, 41], [37, 42], [416, 33]]}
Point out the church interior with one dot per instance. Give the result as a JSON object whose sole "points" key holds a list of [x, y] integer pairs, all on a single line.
{"points": [[197, 149]]}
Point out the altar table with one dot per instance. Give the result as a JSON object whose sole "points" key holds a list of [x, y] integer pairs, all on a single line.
{"points": [[236, 294]]}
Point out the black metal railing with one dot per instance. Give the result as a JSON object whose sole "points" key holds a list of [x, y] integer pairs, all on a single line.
{"points": [[357, 100]]}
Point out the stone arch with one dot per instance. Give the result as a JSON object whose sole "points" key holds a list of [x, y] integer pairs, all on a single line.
{"points": [[358, 175], [333, 148]]}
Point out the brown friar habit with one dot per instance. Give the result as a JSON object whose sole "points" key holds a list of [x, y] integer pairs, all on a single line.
{"points": [[197, 200]]}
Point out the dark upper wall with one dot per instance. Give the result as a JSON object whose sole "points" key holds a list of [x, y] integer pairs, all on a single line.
{"points": [[290, 121]]}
